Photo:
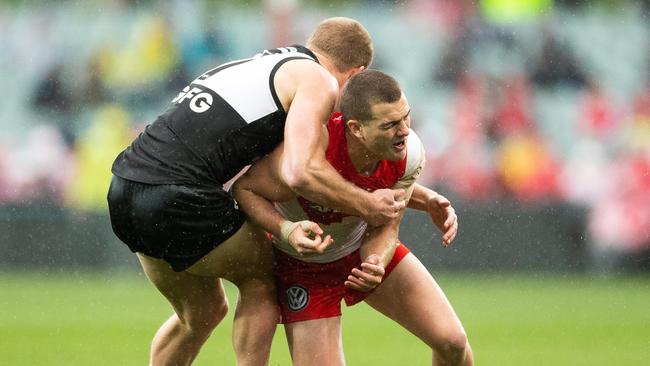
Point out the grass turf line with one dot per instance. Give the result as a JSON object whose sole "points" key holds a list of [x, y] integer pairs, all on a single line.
{"points": [[109, 319]]}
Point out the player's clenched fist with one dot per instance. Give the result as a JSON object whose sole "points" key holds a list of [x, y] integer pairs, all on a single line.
{"points": [[386, 206], [368, 277]]}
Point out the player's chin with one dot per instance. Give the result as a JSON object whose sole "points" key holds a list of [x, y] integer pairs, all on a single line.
{"points": [[397, 154]]}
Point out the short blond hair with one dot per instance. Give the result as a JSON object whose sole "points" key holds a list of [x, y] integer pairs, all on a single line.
{"points": [[345, 41]]}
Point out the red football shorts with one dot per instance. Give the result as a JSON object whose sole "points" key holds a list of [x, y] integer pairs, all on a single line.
{"points": [[314, 290]]}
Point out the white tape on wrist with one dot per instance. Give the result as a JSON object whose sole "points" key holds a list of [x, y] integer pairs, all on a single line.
{"points": [[287, 228]]}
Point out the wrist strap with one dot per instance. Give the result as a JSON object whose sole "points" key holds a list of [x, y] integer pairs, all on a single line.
{"points": [[287, 228]]}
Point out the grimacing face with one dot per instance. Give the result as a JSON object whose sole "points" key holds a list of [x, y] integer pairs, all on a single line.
{"points": [[386, 133]]}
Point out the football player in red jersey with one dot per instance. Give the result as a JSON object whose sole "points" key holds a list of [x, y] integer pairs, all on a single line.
{"points": [[370, 144]]}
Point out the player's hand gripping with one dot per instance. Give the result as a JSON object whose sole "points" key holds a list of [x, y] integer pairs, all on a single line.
{"points": [[444, 217], [368, 277], [305, 236], [385, 206]]}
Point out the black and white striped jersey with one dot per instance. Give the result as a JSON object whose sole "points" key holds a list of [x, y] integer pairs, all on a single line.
{"points": [[224, 120]]}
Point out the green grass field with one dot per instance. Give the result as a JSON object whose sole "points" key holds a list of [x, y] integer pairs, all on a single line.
{"points": [[109, 319]]}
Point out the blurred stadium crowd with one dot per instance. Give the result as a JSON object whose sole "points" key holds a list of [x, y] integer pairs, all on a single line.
{"points": [[536, 101]]}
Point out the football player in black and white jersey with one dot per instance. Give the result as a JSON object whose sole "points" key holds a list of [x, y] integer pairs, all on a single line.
{"points": [[167, 200]]}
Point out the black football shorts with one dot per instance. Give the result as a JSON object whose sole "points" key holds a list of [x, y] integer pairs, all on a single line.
{"points": [[177, 223]]}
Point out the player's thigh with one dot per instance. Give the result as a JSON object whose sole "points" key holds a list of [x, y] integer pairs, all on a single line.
{"points": [[190, 295], [315, 342], [411, 297], [247, 254]]}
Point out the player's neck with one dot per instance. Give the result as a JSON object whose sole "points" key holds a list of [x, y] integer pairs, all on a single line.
{"points": [[363, 160], [329, 66]]}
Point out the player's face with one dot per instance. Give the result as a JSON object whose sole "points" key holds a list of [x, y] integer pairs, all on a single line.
{"points": [[386, 134]]}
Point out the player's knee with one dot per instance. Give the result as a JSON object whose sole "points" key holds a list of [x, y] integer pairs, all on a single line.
{"points": [[453, 345], [206, 319], [218, 314]]}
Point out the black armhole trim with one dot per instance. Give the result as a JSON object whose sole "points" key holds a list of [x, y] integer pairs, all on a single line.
{"points": [[306, 51], [272, 76]]}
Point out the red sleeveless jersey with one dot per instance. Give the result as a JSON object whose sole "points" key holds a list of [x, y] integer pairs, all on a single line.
{"points": [[385, 176]]}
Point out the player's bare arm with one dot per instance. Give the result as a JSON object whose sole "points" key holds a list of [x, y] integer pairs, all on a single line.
{"points": [[443, 215], [256, 191], [312, 93], [376, 252], [380, 243]]}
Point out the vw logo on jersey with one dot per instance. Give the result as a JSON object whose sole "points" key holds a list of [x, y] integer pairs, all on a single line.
{"points": [[297, 297]]}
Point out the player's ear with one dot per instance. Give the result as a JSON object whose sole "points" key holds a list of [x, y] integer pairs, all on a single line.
{"points": [[355, 127], [353, 71]]}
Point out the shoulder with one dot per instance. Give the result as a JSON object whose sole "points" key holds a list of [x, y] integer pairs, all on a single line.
{"points": [[307, 77], [415, 160], [415, 155], [306, 71]]}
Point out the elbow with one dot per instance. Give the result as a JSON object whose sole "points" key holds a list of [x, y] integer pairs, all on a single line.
{"points": [[238, 190], [297, 181], [297, 178], [242, 186]]}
